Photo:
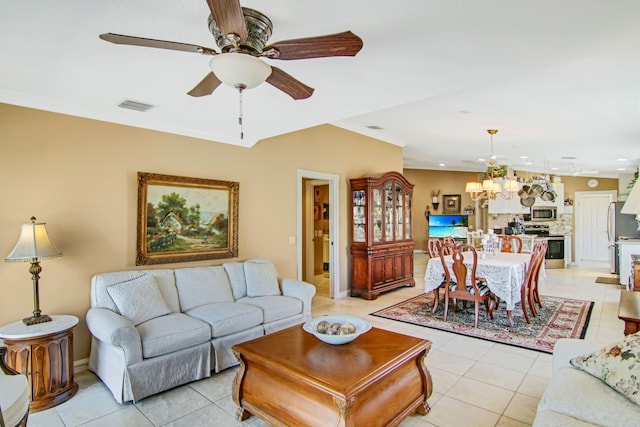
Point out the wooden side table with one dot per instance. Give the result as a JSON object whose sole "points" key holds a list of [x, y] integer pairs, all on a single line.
{"points": [[44, 352], [634, 280], [629, 311]]}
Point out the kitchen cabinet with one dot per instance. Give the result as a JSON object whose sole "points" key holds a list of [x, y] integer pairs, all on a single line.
{"points": [[381, 234], [627, 248], [558, 202], [507, 206]]}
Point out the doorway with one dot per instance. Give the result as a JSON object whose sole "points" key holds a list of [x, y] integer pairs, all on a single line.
{"points": [[591, 208], [318, 261]]}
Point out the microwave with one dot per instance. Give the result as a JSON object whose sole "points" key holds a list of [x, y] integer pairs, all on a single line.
{"points": [[544, 213]]}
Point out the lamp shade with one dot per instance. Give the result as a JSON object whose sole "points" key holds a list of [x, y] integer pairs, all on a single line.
{"points": [[239, 69], [473, 187], [33, 243], [511, 185], [632, 205]]}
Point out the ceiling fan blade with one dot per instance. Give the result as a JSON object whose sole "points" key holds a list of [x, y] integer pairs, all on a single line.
{"points": [[229, 17], [289, 85], [206, 86], [161, 44], [341, 44]]}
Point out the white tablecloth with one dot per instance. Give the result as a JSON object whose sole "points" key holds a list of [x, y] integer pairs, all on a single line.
{"points": [[504, 272]]}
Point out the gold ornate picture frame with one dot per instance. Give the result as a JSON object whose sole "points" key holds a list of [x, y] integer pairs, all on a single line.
{"points": [[451, 204], [184, 219]]}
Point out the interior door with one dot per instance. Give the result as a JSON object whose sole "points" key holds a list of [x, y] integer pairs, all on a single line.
{"points": [[591, 226]]}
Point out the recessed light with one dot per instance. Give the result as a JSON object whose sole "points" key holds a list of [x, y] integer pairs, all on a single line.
{"points": [[555, 169], [524, 157], [442, 165], [622, 169], [482, 159], [622, 160], [528, 163]]}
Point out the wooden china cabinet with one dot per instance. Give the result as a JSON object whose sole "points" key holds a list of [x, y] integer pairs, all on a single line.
{"points": [[381, 236]]}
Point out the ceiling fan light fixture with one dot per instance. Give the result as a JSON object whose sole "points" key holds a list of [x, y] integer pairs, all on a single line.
{"points": [[240, 70]]}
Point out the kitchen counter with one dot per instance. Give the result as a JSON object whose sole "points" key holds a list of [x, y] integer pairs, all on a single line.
{"points": [[627, 248]]}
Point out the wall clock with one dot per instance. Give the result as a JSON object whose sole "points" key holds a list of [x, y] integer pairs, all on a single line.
{"points": [[592, 183]]}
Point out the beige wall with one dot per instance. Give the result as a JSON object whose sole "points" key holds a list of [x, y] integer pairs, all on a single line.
{"points": [[447, 182], [79, 176], [579, 183]]}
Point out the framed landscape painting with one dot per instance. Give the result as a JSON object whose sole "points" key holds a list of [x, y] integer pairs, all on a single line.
{"points": [[185, 219]]}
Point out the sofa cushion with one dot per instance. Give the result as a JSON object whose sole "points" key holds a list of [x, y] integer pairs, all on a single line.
{"points": [[551, 418], [261, 277], [139, 299], [235, 271], [170, 333], [617, 364], [579, 395], [202, 285], [165, 279], [275, 307], [227, 317]]}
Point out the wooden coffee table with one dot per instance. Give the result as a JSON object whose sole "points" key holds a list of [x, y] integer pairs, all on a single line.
{"points": [[629, 311], [292, 378]]}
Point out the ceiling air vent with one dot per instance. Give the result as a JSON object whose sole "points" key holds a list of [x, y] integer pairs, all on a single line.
{"points": [[135, 105], [374, 127]]}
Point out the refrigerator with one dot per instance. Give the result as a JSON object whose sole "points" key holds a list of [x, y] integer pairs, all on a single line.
{"points": [[620, 226]]}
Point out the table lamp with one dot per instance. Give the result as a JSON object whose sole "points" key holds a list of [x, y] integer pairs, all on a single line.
{"points": [[632, 205], [34, 245]]}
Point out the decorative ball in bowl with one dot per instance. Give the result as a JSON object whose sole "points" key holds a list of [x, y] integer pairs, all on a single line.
{"points": [[336, 329]]}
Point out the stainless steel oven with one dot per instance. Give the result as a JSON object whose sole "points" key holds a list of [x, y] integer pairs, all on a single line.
{"points": [[544, 213]]}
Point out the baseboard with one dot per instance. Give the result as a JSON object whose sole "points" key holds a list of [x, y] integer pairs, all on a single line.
{"points": [[80, 366]]}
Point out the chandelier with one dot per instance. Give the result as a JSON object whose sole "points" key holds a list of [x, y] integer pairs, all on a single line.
{"points": [[490, 187]]}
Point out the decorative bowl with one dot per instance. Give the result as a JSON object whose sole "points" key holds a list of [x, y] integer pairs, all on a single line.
{"points": [[361, 325]]}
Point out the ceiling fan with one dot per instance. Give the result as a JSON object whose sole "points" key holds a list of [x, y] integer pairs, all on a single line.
{"points": [[241, 35]]}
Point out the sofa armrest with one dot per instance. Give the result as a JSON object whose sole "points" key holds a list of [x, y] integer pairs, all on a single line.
{"points": [[116, 330], [301, 290], [566, 349]]}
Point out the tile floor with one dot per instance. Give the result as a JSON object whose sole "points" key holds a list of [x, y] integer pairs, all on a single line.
{"points": [[476, 383]]}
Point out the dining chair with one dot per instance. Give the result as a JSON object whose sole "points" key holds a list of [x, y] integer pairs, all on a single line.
{"points": [[449, 240], [433, 247], [533, 297], [14, 395], [507, 243], [459, 287]]}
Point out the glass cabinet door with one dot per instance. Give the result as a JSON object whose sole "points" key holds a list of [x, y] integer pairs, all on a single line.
{"points": [[407, 216], [377, 215], [359, 215], [388, 212], [399, 213]]}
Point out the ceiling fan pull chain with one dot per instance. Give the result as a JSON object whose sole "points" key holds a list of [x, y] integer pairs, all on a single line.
{"points": [[240, 88]]}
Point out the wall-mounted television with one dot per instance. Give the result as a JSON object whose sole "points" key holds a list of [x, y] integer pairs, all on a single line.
{"points": [[448, 225]]}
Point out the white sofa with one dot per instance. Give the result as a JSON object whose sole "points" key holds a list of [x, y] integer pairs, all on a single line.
{"points": [[156, 329], [576, 398]]}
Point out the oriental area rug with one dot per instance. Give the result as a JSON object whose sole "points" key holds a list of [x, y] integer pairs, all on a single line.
{"points": [[558, 318]]}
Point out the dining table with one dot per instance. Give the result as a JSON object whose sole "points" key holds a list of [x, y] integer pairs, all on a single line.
{"points": [[504, 273]]}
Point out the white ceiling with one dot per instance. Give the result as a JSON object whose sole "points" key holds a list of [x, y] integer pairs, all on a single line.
{"points": [[556, 78]]}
